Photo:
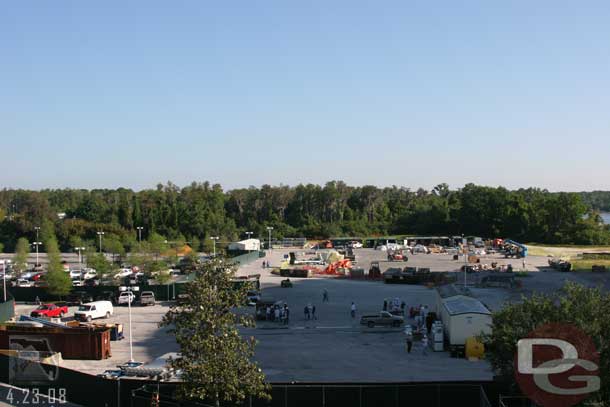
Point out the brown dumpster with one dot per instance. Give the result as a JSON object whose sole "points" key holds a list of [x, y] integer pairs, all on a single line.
{"points": [[90, 343]]}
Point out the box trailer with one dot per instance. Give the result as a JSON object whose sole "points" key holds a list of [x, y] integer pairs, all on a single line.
{"points": [[463, 317]]}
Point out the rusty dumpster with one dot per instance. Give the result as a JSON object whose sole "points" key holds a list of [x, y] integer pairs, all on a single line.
{"points": [[89, 343]]}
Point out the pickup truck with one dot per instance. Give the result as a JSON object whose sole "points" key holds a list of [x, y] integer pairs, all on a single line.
{"points": [[147, 298], [125, 298], [383, 318], [49, 311]]}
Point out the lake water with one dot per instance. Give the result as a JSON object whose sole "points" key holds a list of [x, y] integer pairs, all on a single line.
{"points": [[606, 217]]}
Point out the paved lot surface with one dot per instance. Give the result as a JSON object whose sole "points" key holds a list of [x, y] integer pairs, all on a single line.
{"points": [[149, 341], [335, 347]]}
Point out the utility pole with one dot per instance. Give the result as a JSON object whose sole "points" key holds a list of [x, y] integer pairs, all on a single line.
{"points": [[4, 278], [269, 229], [465, 251], [140, 228], [214, 239], [80, 262], [100, 234], [37, 243]]}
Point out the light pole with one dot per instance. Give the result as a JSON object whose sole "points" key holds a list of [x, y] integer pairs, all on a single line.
{"points": [[465, 250], [140, 228], [37, 229], [269, 229], [214, 239], [249, 234], [4, 278], [80, 262], [37, 244], [131, 298], [100, 234]]}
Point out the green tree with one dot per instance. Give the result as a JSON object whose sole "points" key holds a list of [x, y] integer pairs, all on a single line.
{"points": [[157, 244], [58, 281], [114, 246], [99, 262], [1, 248], [215, 360], [20, 261], [583, 307]]}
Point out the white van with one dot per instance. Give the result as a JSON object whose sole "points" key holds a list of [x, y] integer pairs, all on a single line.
{"points": [[92, 310]]}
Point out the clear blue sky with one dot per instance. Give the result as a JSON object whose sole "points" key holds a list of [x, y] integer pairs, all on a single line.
{"points": [[131, 93]]}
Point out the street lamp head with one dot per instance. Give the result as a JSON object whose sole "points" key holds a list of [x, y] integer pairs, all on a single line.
{"points": [[269, 227]]}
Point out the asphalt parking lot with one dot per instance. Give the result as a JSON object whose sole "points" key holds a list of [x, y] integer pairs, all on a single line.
{"points": [[149, 341], [335, 347]]}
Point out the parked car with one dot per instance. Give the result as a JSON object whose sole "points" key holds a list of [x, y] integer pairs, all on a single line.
{"points": [[37, 276], [126, 297], [91, 282], [27, 275], [49, 311], [182, 299], [383, 318], [253, 297], [147, 298], [89, 273], [122, 273], [77, 282], [75, 274], [356, 245], [93, 310], [22, 282]]}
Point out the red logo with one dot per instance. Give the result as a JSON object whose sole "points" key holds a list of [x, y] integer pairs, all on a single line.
{"points": [[557, 365]]}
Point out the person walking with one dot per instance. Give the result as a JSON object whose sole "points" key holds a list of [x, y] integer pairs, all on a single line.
{"points": [[263, 263], [276, 313], [385, 305], [325, 295], [268, 313], [409, 338], [353, 309], [313, 312], [306, 312], [286, 314], [424, 343]]}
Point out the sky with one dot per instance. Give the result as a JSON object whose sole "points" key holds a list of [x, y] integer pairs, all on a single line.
{"points": [[411, 93]]}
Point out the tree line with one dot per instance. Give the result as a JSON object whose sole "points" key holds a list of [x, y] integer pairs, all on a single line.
{"points": [[198, 211]]}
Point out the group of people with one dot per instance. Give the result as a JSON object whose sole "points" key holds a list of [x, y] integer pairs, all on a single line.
{"points": [[265, 264], [394, 306], [278, 314], [310, 312]]}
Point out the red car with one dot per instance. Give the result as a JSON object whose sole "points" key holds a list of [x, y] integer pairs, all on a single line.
{"points": [[49, 311]]}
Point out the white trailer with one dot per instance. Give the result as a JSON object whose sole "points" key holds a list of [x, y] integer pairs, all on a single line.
{"points": [[463, 317]]}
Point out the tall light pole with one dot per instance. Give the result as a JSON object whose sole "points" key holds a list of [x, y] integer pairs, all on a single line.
{"points": [[214, 239], [131, 298], [37, 244], [4, 278], [100, 234], [269, 229], [80, 262], [37, 229], [140, 228], [249, 234]]}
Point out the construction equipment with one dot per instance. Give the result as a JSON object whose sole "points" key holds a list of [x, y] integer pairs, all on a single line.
{"points": [[396, 255]]}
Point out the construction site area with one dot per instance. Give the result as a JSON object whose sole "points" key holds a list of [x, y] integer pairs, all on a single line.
{"points": [[327, 313]]}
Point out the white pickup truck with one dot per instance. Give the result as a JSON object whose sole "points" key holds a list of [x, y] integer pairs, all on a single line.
{"points": [[126, 297]]}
